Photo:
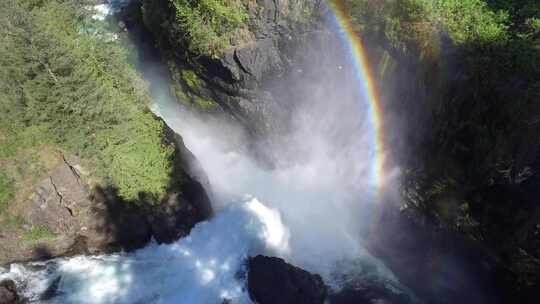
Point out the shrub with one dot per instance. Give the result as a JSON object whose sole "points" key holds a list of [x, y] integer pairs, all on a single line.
{"points": [[472, 20], [63, 84], [209, 25], [6, 190]]}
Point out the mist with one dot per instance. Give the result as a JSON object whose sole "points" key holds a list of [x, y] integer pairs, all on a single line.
{"points": [[304, 190], [322, 178]]}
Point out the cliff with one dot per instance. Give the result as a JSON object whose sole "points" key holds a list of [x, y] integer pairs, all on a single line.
{"points": [[66, 213]]}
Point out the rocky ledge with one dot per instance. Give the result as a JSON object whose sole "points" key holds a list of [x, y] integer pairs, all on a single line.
{"points": [[68, 215], [272, 280]]}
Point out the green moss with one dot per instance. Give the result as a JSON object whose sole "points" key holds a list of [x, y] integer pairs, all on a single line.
{"points": [[178, 92], [37, 234], [191, 79], [204, 104], [186, 87]]}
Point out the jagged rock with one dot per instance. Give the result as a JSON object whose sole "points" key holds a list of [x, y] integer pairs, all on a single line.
{"points": [[271, 280], [8, 292], [258, 58]]}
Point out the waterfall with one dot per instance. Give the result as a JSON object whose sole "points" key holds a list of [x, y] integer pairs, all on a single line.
{"points": [[311, 211]]}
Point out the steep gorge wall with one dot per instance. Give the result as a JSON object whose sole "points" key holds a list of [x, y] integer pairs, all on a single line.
{"points": [[465, 137], [237, 83]]}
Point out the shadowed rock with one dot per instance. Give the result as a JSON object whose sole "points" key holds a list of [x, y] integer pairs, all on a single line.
{"points": [[8, 292], [271, 280]]}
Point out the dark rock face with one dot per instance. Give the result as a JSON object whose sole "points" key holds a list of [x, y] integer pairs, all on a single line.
{"points": [[81, 220], [271, 280], [469, 210], [258, 58], [238, 82], [8, 292], [444, 266]]}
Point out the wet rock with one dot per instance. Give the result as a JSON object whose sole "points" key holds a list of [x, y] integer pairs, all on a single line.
{"points": [[52, 290], [8, 292], [271, 280]]}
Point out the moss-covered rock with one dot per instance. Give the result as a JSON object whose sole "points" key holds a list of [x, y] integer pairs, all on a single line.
{"points": [[66, 213]]}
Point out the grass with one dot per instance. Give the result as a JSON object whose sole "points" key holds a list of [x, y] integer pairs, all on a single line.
{"points": [[38, 233], [409, 25], [12, 222], [204, 104], [7, 190]]}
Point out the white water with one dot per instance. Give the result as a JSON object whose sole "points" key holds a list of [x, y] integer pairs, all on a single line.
{"points": [[201, 268], [310, 211]]}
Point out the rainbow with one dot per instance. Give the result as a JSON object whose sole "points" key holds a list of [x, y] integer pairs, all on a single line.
{"points": [[367, 86]]}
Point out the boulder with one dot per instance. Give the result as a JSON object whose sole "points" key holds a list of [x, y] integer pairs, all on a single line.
{"points": [[8, 292], [271, 280], [258, 58]]}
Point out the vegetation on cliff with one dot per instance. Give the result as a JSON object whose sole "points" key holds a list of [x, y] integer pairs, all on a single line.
{"points": [[479, 55], [209, 25], [66, 86], [468, 72]]}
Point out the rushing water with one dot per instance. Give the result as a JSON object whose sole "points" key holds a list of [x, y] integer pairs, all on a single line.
{"points": [[201, 268], [310, 212]]}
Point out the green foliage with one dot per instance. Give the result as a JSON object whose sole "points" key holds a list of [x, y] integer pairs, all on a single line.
{"points": [[137, 166], [191, 79], [37, 234], [492, 34], [186, 87], [7, 191], [22, 138], [472, 20], [63, 83], [479, 60], [209, 25], [408, 24], [396, 22], [204, 104]]}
